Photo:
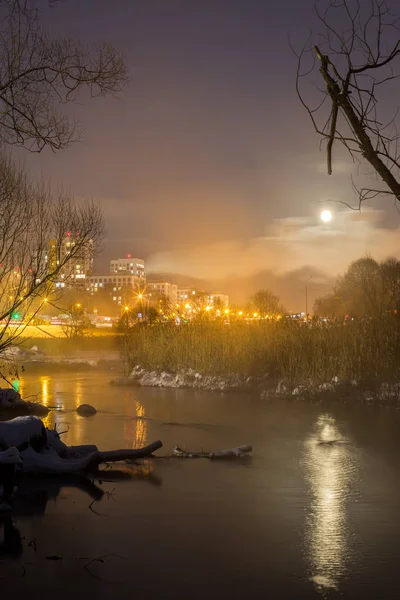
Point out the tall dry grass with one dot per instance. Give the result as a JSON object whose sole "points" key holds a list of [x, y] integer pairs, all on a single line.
{"points": [[367, 351]]}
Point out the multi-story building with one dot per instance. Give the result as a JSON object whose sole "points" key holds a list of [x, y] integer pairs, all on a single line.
{"points": [[129, 264], [162, 289], [78, 268], [187, 295], [122, 286], [218, 300], [198, 297]]}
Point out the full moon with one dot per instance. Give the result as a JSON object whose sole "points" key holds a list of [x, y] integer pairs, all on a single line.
{"points": [[326, 216]]}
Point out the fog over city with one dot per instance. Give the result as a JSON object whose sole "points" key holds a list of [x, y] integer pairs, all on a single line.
{"points": [[206, 165]]}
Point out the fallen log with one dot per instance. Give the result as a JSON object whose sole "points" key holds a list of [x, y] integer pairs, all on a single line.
{"points": [[238, 452], [118, 455], [50, 462]]}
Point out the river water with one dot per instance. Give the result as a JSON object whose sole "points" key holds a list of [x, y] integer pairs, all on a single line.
{"points": [[301, 519]]}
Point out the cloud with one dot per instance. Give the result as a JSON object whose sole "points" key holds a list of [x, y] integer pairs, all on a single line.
{"points": [[290, 244]]}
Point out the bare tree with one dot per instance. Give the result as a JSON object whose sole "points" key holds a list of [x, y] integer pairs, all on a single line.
{"points": [[266, 302], [77, 324], [34, 224], [358, 56], [40, 73], [390, 273]]}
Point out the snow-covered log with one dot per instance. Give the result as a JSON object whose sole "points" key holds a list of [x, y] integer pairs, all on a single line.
{"points": [[48, 461], [22, 432], [35, 449], [238, 452]]}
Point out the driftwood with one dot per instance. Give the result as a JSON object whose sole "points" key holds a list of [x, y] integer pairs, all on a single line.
{"points": [[117, 455], [238, 452], [51, 462]]}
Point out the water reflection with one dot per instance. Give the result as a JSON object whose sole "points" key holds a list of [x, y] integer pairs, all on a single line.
{"points": [[330, 468], [48, 420], [135, 433]]}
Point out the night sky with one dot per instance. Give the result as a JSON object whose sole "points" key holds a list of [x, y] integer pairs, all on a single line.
{"points": [[207, 164]]}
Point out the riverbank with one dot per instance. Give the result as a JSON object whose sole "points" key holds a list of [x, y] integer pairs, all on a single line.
{"points": [[292, 359], [51, 355], [384, 394]]}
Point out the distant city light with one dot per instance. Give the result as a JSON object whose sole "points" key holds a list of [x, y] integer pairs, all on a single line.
{"points": [[326, 216]]}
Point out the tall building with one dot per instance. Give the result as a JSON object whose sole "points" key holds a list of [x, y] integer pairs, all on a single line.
{"points": [[159, 289], [130, 264], [78, 268]]}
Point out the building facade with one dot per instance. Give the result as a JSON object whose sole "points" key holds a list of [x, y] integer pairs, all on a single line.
{"points": [[135, 266], [187, 295], [78, 268], [218, 300], [122, 287], [162, 289]]}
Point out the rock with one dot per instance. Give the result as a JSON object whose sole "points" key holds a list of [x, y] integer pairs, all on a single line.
{"points": [[86, 410], [9, 398]]}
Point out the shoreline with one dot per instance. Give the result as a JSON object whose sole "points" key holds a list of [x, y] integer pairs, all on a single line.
{"points": [[381, 394]]}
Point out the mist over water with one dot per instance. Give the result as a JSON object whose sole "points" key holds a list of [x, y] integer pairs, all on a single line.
{"points": [[313, 514]]}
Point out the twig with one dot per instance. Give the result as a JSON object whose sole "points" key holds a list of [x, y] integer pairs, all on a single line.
{"points": [[100, 559]]}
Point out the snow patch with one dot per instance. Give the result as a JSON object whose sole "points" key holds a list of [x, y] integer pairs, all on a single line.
{"points": [[189, 379], [20, 430]]}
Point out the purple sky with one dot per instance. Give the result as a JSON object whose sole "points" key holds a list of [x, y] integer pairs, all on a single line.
{"points": [[208, 145]]}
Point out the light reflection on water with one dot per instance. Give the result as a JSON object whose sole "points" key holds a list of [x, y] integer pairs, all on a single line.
{"points": [[63, 417], [330, 470]]}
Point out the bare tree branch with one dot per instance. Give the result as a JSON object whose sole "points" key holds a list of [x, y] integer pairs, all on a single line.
{"points": [[34, 223], [39, 73], [358, 53]]}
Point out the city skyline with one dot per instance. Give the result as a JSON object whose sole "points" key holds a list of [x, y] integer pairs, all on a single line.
{"points": [[207, 163]]}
